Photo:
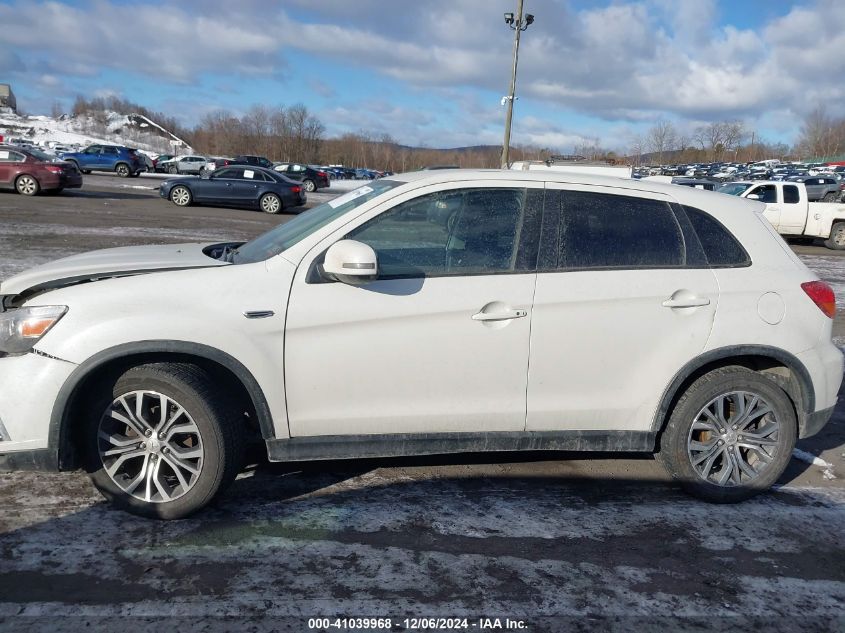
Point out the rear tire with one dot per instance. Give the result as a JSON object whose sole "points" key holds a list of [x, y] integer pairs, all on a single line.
{"points": [[122, 170], [27, 185], [836, 241], [309, 185], [730, 436], [830, 197], [172, 169], [172, 458]]}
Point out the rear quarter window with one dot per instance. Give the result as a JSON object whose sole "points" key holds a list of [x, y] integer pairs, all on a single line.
{"points": [[720, 247]]}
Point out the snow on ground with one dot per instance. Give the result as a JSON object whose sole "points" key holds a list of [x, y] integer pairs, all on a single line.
{"points": [[118, 129]]}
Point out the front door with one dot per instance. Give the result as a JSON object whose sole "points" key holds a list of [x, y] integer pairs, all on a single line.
{"points": [[439, 343], [769, 195], [622, 304]]}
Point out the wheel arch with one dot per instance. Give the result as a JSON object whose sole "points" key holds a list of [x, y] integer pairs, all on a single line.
{"points": [[777, 364], [107, 362]]}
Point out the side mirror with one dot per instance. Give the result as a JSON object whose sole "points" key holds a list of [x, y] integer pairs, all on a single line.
{"points": [[753, 196], [350, 262]]}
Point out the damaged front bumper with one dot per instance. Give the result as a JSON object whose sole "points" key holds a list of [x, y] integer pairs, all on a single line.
{"points": [[29, 386]]}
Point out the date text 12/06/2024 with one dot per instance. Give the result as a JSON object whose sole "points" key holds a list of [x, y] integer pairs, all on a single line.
{"points": [[417, 624]]}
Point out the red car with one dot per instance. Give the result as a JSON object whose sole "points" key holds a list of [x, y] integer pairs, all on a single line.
{"points": [[29, 171]]}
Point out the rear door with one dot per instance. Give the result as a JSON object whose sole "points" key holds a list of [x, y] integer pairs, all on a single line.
{"points": [[793, 211], [623, 301], [9, 163]]}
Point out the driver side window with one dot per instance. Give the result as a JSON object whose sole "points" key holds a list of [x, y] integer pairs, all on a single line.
{"points": [[457, 232], [767, 193]]}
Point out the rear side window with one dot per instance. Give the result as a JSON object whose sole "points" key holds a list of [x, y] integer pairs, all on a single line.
{"points": [[721, 248], [7, 156], [599, 230], [790, 194]]}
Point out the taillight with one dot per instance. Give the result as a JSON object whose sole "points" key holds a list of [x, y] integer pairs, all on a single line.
{"points": [[296, 189], [822, 295], [55, 169], [321, 174]]}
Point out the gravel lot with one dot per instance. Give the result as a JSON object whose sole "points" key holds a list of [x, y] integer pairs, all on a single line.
{"points": [[562, 543]]}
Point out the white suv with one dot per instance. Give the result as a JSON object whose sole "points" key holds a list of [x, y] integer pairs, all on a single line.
{"points": [[428, 313]]}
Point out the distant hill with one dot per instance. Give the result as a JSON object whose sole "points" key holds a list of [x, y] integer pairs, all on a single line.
{"points": [[107, 127]]}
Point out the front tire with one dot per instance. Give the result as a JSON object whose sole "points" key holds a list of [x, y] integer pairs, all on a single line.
{"points": [[830, 197], [160, 442], [180, 196], [836, 241], [730, 436], [271, 203], [27, 185]]}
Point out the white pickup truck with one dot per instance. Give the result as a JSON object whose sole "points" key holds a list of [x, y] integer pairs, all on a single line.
{"points": [[791, 213]]}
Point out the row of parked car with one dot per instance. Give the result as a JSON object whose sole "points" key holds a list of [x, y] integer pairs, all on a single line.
{"points": [[824, 182], [313, 177]]}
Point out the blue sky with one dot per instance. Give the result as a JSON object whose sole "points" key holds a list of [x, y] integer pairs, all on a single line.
{"points": [[432, 72]]}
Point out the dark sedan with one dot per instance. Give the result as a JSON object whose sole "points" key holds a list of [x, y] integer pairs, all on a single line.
{"points": [[29, 171], [240, 187]]}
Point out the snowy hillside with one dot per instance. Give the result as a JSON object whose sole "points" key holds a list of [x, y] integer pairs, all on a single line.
{"points": [[133, 130]]}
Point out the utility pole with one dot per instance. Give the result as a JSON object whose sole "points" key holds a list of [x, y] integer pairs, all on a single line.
{"points": [[518, 24]]}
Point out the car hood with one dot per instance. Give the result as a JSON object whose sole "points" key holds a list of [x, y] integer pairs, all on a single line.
{"points": [[107, 263]]}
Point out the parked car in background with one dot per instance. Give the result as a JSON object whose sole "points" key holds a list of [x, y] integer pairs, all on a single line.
{"points": [[159, 160], [31, 171], [216, 162], [124, 161], [258, 161], [243, 187], [696, 183], [820, 188], [789, 210], [311, 178], [402, 319], [185, 165]]}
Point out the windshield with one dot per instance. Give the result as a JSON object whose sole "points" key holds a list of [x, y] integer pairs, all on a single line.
{"points": [[734, 188], [286, 235]]}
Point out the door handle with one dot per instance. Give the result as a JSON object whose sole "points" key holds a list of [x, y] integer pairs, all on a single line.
{"points": [[499, 316], [692, 302]]}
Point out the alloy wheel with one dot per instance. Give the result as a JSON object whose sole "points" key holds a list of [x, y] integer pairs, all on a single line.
{"points": [[733, 439], [150, 446], [27, 185], [180, 196], [838, 236], [270, 204]]}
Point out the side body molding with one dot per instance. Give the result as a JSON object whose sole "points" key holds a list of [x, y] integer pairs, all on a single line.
{"points": [[58, 439]]}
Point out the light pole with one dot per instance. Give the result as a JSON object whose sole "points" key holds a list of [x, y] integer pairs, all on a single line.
{"points": [[518, 24]]}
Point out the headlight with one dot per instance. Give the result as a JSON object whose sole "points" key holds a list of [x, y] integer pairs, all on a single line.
{"points": [[22, 328]]}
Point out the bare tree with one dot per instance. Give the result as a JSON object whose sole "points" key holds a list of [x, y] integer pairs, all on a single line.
{"points": [[822, 136], [661, 138]]}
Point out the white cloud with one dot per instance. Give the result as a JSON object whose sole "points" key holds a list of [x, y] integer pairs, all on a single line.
{"points": [[632, 60]]}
